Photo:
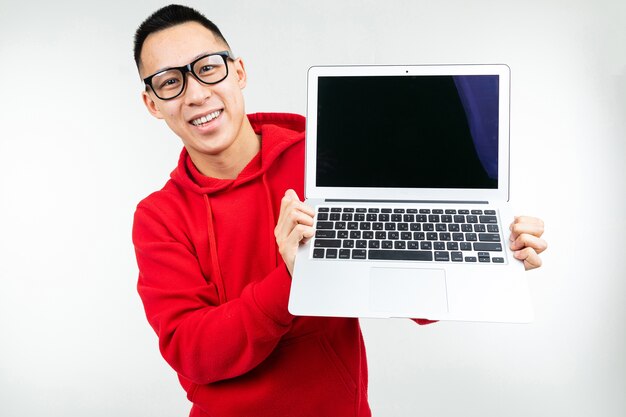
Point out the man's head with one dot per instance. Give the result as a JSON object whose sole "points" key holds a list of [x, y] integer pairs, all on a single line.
{"points": [[208, 114], [167, 17]]}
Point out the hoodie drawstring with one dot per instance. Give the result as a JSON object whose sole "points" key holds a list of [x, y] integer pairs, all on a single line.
{"points": [[215, 265], [272, 223]]}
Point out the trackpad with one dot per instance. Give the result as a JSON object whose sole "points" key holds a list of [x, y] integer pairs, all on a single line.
{"points": [[406, 292]]}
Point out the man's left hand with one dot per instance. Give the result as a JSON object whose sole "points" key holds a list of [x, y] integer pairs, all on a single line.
{"points": [[526, 241]]}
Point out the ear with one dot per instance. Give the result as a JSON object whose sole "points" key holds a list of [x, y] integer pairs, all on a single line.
{"points": [[240, 70], [151, 105]]}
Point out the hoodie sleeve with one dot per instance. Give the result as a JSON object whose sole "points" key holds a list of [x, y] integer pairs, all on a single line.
{"points": [[203, 340]]}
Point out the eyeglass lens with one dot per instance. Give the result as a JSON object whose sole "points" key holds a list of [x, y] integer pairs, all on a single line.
{"points": [[210, 70]]}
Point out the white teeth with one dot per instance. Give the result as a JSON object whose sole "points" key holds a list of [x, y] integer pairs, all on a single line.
{"points": [[206, 119]]}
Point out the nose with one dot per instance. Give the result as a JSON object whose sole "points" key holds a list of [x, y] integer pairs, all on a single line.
{"points": [[196, 92]]}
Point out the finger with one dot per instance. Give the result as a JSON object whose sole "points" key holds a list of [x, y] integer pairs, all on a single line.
{"points": [[526, 240], [288, 220], [291, 200], [526, 224], [530, 257]]}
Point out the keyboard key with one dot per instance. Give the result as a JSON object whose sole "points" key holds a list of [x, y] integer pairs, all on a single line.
{"points": [[342, 234], [318, 253], [353, 225], [450, 211], [359, 254], [459, 218], [442, 256], [472, 219], [373, 210], [470, 259], [466, 228], [361, 210], [368, 235], [323, 209], [490, 212], [439, 246], [344, 253], [497, 260], [390, 226], [385, 210], [458, 237], [479, 228], [387, 244], [426, 245], [335, 216], [424, 211], [340, 225], [355, 234], [400, 244], [413, 245], [373, 244], [432, 236], [348, 210], [484, 259], [322, 216], [471, 237], [437, 211], [331, 253], [453, 227], [325, 234], [348, 243], [464, 212], [327, 243], [361, 244], [403, 226], [441, 227], [406, 236], [465, 246], [477, 212], [401, 255], [393, 235], [452, 245], [433, 218], [428, 227], [488, 237], [415, 227], [488, 219], [335, 210], [445, 236], [488, 247], [365, 226], [359, 217], [492, 228], [346, 217], [457, 256], [419, 236], [324, 225]]}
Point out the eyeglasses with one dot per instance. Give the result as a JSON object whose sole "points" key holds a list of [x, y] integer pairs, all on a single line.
{"points": [[208, 69]]}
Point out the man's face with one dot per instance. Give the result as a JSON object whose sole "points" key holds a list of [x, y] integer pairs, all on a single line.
{"points": [[178, 46]]}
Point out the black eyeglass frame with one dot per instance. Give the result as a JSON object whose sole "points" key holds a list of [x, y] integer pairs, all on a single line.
{"points": [[189, 68]]}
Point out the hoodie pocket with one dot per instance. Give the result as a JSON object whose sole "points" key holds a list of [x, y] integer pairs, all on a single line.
{"points": [[302, 377]]}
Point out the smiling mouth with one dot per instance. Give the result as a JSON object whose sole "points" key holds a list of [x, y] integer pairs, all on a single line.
{"points": [[206, 119]]}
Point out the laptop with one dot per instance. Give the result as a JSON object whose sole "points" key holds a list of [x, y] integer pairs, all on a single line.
{"points": [[407, 168]]}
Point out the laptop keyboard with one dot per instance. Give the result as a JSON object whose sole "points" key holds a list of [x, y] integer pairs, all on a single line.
{"points": [[411, 234]]}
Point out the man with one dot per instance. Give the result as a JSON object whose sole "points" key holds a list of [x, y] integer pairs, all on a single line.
{"points": [[216, 246]]}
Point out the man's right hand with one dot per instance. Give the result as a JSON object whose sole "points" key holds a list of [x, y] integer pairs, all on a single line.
{"points": [[294, 226]]}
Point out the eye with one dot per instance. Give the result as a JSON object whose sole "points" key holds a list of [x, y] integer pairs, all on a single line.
{"points": [[206, 68], [169, 83]]}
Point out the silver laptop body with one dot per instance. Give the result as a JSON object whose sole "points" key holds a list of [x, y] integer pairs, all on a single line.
{"points": [[408, 170]]}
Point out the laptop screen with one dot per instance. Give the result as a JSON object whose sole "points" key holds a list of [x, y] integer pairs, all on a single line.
{"points": [[426, 131]]}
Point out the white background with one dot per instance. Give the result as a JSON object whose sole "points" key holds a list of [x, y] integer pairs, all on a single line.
{"points": [[78, 151]]}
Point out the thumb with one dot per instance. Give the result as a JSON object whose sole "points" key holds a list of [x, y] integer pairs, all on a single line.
{"points": [[291, 194]]}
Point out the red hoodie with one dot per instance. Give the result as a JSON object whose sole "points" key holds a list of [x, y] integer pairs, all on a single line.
{"points": [[215, 290]]}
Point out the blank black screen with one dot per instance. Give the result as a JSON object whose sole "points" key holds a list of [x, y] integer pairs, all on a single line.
{"points": [[408, 131]]}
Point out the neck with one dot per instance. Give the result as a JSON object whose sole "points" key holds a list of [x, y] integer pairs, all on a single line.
{"points": [[231, 161]]}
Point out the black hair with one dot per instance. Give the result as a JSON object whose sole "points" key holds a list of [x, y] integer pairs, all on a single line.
{"points": [[169, 16]]}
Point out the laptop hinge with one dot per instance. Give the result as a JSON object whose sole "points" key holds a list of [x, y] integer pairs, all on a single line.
{"points": [[332, 200]]}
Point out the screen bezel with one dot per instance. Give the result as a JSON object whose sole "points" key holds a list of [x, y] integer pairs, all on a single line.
{"points": [[501, 193]]}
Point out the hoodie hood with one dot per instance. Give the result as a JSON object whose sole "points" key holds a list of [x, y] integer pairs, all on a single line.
{"points": [[278, 132]]}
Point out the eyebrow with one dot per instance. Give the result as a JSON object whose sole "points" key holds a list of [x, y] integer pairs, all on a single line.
{"points": [[192, 59]]}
